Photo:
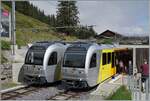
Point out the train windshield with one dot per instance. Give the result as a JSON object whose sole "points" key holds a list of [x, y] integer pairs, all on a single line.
{"points": [[76, 60], [35, 58]]}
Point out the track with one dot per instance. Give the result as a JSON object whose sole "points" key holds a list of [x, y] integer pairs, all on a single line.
{"points": [[68, 95], [18, 93], [60, 95]]}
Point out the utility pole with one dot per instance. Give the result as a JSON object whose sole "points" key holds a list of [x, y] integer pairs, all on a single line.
{"points": [[0, 41], [0, 28], [91, 26], [13, 27], [134, 71], [148, 91]]}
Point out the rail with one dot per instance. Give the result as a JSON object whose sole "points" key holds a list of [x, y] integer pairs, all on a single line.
{"points": [[11, 95]]}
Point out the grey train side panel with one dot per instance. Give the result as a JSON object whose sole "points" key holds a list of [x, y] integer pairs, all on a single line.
{"points": [[92, 72], [50, 70]]}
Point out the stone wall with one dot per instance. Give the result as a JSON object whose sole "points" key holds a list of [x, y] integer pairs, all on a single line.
{"points": [[6, 72], [15, 72]]}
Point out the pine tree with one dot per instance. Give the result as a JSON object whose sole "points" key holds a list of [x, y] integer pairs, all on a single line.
{"points": [[29, 9], [67, 15]]}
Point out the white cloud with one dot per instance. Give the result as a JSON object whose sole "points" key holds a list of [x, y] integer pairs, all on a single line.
{"points": [[49, 7], [119, 16]]}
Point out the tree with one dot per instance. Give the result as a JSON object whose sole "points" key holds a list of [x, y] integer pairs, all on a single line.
{"points": [[85, 32], [27, 8], [67, 15]]}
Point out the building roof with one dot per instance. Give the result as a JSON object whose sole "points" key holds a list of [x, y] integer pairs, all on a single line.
{"points": [[108, 34]]}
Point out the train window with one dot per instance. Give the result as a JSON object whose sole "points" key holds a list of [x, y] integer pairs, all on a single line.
{"points": [[53, 59], [35, 58], [109, 58], [76, 60], [104, 59], [93, 61], [113, 59], [37, 48]]}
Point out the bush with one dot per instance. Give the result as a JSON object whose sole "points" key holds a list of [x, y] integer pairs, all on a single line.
{"points": [[3, 59], [85, 32], [5, 45], [107, 41]]}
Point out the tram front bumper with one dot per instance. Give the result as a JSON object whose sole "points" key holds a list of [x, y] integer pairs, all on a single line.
{"points": [[34, 79]]}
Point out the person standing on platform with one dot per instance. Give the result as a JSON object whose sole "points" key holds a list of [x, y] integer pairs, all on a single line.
{"points": [[121, 66], [144, 69]]}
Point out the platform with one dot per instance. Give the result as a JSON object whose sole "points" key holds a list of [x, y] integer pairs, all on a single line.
{"points": [[105, 89]]}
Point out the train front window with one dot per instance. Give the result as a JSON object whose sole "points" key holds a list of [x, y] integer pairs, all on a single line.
{"points": [[76, 60], [35, 58]]}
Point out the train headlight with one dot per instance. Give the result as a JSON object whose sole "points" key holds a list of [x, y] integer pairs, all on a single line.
{"points": [[81, 72]]}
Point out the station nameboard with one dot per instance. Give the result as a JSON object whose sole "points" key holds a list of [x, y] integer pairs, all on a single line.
{"points": [[5, 28]]}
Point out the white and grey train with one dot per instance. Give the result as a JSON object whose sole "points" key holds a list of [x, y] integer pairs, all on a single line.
{"points": [[81, 64], [43, 63]]}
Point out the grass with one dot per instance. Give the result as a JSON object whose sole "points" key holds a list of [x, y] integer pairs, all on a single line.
{"points": [[121, 94], [5, 45], [26, 30], [8, 85]]}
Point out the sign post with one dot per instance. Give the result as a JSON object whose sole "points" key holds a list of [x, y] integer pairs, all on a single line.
{"points": [[13, 27]]}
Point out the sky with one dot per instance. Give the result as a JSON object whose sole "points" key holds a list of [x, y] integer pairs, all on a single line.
{"points": [[127, 17]]}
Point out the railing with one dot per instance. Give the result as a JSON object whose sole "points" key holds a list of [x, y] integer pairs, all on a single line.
{"points": [[135, 84]]}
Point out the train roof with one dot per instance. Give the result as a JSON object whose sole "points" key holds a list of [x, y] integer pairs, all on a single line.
{"points": [[43, 45], [84, 46], [79, 46]]}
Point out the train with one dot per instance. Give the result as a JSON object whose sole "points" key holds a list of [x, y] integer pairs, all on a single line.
{"points": [[88, 64], [75, 64], [43, 63]]}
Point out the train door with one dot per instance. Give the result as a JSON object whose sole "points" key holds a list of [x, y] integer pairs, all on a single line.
{"points": [[93, 70], [113, 72], [52, 63], [103, 66], [109, 64]]}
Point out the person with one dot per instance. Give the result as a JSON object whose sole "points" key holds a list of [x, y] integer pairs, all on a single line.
{"points": [[145, 73], [117, 66], [121, 66]]}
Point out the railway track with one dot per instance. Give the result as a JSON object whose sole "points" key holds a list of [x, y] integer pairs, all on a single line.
{"points": [[69, 95], [25, 91], [64, 96], [11, 95]]}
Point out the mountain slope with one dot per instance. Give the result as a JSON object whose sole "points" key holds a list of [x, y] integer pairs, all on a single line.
{"points": [[30, 30]]}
